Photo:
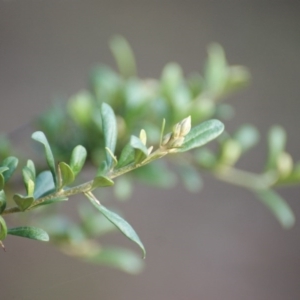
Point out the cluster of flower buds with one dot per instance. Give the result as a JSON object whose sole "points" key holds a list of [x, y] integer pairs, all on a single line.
{"points": [[175, 138]]}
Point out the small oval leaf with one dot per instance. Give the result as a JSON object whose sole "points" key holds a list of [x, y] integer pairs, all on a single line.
{"points": [[276, 143], [23, 202], [67, 175], [39, 136], [3, 229], [28, 178], [30, 233], [141, 151], [43, 184], [11, 163], [78, 158], [101, 181], [109, 126], [2, 201], [2, 182], [126, 157]]}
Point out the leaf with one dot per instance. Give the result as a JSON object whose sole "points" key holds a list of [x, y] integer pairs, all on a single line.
{"points": [[30, 233], [126, 157], [216, 71], [201, 135], [44, 184], [123, 188], [109, 126], [78, 158], [278, 206], [247, 136], [101, 181], [141, 151], [2, 182], [67, 175], [119, 222], [276, 143], [3, 229], [29, 179], [30, 165], [2, 201], [11, 163], [23, 202], [119, 258], [124, 56], [39, 136]]}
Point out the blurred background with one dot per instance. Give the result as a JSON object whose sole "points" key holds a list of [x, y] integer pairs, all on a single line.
{"points": [[219, 244]]}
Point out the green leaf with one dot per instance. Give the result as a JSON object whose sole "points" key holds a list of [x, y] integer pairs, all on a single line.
{"points": [[30, 165], [80, 107], [2, 201], [39, 136], [78, 158], [3, 229], [101, 181], [127, 156], [2, 182], [11, 163], [119, 258], [44, 184], [141, 151], [124, 56], [29, 179], [123, 188], [216, 71], [30, 233], [67, 175], [247, 136], [23, 202], [119, 222], [109, 126], [278, 206], [276, 143], [201, 135]]}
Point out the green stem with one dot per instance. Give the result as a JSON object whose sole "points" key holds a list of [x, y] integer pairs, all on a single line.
{"points": [[245, 179], [87, 186]]}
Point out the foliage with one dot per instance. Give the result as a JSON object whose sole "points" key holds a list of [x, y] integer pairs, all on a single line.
{"points": [[121, 102]]}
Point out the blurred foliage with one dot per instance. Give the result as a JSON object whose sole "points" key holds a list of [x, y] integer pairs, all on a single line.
{"points": [[144, 103]]}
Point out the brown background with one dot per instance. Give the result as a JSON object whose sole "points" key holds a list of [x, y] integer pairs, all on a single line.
{"points": [[220, 244]]}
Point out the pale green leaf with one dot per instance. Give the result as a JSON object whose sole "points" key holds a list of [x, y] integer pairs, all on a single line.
{"points": [[3, 229], [119, 258], [44, 184], [109, 126], [101, 181], [201, 135], [11, 163], [78, 158], [2, 201], [39, 136], [119, 222], [30, 233], [23, 202], [124, 56], [278, 206], [66, 173]]}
